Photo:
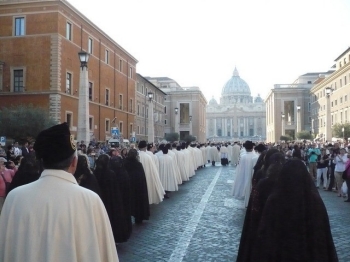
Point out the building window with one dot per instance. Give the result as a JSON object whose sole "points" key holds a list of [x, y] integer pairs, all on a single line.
{"points": [[107, 97], [19, 26], [131, 128], [130, 72], [309, 107], [69, 119], [107, 56], [146, 112], [332, 104], [341, 82], [341, 100], [335, 102], [146, 92], [69, 83], [143, 111], [131, 105], [345, 82], [69, 31], [91, 122], [90, 91], [121, 127], [142, 89], [345, 98], [18, 80], [138, 110], [107, 125], [121, 102], [138, 129], [164, 121], [165, 110], [120, 65], [90, 45]]}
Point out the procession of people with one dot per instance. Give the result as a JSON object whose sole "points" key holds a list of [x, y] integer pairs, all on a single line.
{"points": [[47, 183]]}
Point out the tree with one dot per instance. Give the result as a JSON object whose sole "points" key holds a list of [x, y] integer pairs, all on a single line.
{"points": [[190, 138], [304, 135], [171, 137], [285, 138], [24, 122], [338, 132]]}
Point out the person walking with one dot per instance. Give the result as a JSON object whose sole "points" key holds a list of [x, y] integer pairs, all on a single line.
{"points": [[63, 221], [313, 154], [322, 165], [339, 162]]}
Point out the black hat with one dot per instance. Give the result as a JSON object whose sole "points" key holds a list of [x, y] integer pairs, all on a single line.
{"points": [[55, 144], [248, 145], [142, 144]]}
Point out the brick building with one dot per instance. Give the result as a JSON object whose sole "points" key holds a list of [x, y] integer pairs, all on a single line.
{"points": [[39, 64]]}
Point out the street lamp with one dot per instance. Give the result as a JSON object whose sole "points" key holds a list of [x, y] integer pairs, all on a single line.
{"points": [[176, 110], [328, 121], [150, 96], [150, 118], [298, 119], [83, 130], [283, 115], [190, 118]]}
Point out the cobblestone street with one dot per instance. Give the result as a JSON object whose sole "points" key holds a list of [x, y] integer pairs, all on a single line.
{"points": [[202, 222]]}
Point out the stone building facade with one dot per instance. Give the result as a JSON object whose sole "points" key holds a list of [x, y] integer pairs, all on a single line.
{"points": [[239, 116], [143, 87], [334, 108], [189, 118], [288, 109], [39, 64]]}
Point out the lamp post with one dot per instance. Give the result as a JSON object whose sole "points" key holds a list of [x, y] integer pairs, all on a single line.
{"points": [[298, 119], [176, 121], [190, 117], [83, 131], [328, 119], [150, 118], [283, 131]]}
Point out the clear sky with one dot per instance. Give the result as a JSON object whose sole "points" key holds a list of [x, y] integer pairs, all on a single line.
{"points": [[199, 42]]}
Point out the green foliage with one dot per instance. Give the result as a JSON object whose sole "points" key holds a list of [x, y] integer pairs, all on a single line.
{"points": [[304, 135], [172, 137], [23, 122], [337, 130], [189, 138], [286, 138]]}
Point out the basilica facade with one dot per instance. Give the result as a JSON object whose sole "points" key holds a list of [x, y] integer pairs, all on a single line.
{"points": [[238, 116]]}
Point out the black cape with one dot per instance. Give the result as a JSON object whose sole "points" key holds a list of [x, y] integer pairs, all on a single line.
{"points": [[294, 225], [112, 198], [138, 190]]}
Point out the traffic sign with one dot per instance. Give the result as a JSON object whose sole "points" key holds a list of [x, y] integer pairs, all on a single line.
{"points": [[115, 131], [133, 139], [3, 140]]}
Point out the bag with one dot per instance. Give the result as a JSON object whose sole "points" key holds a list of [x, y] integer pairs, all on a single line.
{"points": [[344, 176], [344, 188], [7, 184]]}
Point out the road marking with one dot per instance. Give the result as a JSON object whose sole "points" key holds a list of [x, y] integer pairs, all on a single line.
{"points": [[185, 239], [230, 181]]}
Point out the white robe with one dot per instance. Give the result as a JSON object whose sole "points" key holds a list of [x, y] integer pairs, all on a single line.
{"points": [[180, 162], [177, 170], [248, 186], [214, 154], [154, 185], [229, 149], [244, 172], [167, 172], [189, 162], [235, 154], [54, 219], [154, 158], [204, 155]]}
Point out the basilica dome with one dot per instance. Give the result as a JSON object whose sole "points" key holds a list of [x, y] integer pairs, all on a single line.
{"points": [[213, 102], [235, 86]]}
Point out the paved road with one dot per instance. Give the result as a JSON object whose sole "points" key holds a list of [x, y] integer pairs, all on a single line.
{"points": [[202, 222]]}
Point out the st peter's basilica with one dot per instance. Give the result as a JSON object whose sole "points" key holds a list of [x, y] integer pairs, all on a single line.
{"points": [[238, 116]]}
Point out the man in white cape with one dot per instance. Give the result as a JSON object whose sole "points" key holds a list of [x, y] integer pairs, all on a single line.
{"points": [[54, 219], [235, 154], [243, 181], [167, 171], [154, 186]]}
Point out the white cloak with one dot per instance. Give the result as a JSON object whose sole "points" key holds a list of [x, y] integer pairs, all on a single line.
{"points": [[177, 170], [167, 172], [54, 219], [235, 154], [214, 154], [155, 159], [244, 172], [154, 186]]}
